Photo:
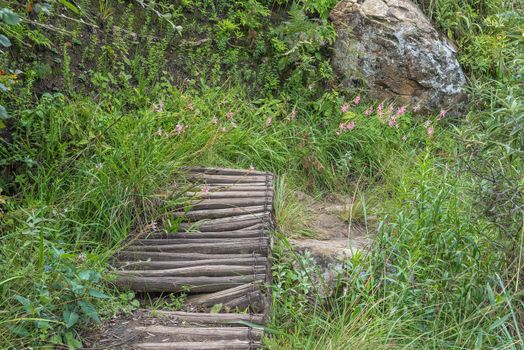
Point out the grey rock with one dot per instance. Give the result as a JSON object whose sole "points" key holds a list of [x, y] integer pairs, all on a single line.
{"points": [[392, 46]]}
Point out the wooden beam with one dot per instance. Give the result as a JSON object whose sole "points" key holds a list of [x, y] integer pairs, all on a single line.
{"points": [[180, 284], [230, 179], [257, 245], [223, 296], [224, 203], [223, 171], [208, 345], [196, 214], [208, 318], [162, 265], [168, 241], [203, 333], [159, 256], [254, 231], [195, 271]]}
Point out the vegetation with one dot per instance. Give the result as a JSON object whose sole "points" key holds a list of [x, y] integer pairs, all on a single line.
{"points": [[102, 101]]}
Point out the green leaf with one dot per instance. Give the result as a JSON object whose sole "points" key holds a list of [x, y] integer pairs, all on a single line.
{"points": [[18, 330], [26, 303], [216, 308], [4, 41], [85, 275], [70, 318], [71, 341], [56, 339], [89, 310], [9, 17], [499, 322], [70, 6], [98, 294]]}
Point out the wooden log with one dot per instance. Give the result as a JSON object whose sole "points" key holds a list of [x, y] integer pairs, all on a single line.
{"points": [[240, 188], [256, 231], [203, 333], [195, 271], [230, 179], [162, 265], [231, 194], [208, 345], [220, 213], [168, 241], [227, 224], [224, 171], [253, 300], [208, 318], [258, 245], [159, 256], [224, 203], [223, 296], [180, 284]]}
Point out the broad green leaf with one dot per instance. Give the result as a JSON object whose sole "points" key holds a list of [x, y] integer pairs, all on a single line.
{"points": [[70, 318], [98, 294], [26, 303], [9, 17], [56, 339], [4, 41], [77, 288], [71, 341], [85, 275], [89, 310], [18, 330]]}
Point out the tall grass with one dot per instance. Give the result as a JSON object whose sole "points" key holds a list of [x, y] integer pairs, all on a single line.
{"points": [[432, 280]]}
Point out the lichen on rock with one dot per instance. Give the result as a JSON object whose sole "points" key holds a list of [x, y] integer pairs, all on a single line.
{"points": [[393, 48]]}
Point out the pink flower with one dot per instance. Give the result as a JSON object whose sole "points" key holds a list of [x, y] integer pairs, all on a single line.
{"points": [[229, 115], [442, 114], [401, 111], [342, 126], [205, 189], [380, 108], [393, 122], [179, 128], [350, 125], [369, 111], [268, 122], [430, 131], [357, 100], [344, 108], [214, 120]]}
